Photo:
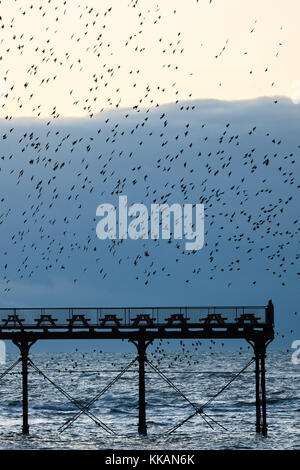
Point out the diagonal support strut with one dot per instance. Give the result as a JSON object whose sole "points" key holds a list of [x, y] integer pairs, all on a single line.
{"points": [[198, 410], [211, 399], [86, 407], [73, 400]]}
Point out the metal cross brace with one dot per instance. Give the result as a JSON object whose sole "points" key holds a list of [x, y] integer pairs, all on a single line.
{"points": [[200, 410], [73, 400], [70, 421], [196, 408]]}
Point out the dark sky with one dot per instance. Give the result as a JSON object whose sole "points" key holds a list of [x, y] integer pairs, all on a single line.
{"points": [[241, 159]]}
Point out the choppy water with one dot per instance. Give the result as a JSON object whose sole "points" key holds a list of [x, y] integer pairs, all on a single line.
{"points": [[84, 376]]}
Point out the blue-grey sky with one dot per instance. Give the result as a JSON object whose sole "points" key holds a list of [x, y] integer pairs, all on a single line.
{"points": [[177, 102], [55, 259]]}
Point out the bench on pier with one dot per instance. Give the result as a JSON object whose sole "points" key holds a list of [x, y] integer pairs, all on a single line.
{"points": [[214, 318], [13, 321], [177, 318], [45, 319], [145, 318], [110, 319], [78, 319], [249, 318]]}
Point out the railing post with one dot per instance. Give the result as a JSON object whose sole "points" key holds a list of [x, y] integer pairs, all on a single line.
{"points": [[270, 314]]}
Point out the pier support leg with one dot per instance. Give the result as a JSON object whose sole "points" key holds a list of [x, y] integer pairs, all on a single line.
{"points": [[260, 387], [141, 346], [264, 428], [257, 391], [142, 427], [24, 352], [24, 347]]}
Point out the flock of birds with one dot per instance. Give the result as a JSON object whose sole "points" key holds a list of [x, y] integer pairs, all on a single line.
{"points": [[55, 171]]}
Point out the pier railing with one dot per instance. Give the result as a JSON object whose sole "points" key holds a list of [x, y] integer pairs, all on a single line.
{"points": [[50, 318]]}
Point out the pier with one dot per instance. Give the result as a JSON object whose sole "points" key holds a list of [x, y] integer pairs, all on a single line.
{"points": [[141, 326]]}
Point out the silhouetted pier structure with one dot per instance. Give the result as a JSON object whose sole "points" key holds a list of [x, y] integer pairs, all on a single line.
{"points": [[141, 326]]}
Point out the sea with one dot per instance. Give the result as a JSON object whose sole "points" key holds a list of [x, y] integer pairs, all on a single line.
{"points": [[62, 384]]}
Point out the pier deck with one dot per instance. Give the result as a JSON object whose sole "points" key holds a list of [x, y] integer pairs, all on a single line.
{"points": [[141, 326]]}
